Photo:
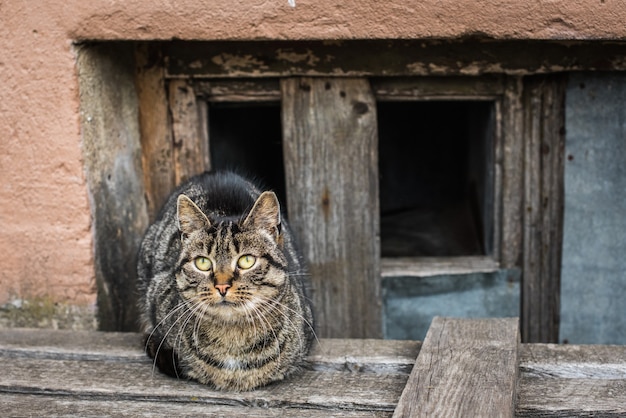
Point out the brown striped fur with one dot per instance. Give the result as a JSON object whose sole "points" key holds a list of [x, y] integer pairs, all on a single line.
{"points": [[230, 327]]}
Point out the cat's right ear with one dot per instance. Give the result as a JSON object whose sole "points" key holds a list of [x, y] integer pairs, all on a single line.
{"points": [[190, 217]]}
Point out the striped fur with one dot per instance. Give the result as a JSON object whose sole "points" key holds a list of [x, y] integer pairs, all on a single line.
{"points": [[229, 327]]}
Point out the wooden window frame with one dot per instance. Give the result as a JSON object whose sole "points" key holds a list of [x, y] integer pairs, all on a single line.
{"points": [[175, 80]]}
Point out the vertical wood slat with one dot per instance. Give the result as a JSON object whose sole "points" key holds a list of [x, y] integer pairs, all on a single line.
{"points": [[510, 164], [466, 368], [155, 127], [190, 139], [543, 208], [330, 150]]}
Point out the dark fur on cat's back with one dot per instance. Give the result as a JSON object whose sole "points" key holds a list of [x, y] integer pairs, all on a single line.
{"points": [[222, 288]]}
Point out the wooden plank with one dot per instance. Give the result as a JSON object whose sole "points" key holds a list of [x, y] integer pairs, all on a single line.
{"points": [[372, 356], [191, 143], [330, 151], [573, 361], [466, 368], [432, 266], [113, 165], [357, 58], [239, 90], [155, 126], [509, 164], [14, 405], [438, 88], [571, 397], [543, 208], [572, 380], [117, 380]]}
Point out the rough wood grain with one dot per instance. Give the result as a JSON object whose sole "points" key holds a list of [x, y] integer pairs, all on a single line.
{"points": [[466, 368], [191, 143], [375, 356], [571, 397], [573, 361], [358, 58], [155, 126], [85, 371], [509, 163], [430, 266], [544, 99], [330, 151], [17, 405], [112, 154]]}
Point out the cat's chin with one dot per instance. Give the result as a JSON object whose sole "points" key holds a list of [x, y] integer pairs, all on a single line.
{"points": [[227, 312]]}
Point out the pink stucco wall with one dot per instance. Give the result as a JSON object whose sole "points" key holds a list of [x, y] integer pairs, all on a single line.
{"points": [[46, 243]]}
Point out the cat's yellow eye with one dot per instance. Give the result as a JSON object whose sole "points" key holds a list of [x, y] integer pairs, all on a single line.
{"points": [[202, 263], [246, 261]]}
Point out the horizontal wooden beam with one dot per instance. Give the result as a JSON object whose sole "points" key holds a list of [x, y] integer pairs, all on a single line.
{"points": [[392, 58]]}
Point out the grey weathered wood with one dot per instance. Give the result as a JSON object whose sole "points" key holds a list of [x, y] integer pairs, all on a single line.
{"points": [[113, 164], [330, 151], [238, 90], [466, 368], [438, 88], [366, 355], [191, 143], [509, 177], [572, 380], [544, 137], [431, 266], [573, 361], [388, 58], [155, 126], [15, 405], [85, 371], [571, 397]]}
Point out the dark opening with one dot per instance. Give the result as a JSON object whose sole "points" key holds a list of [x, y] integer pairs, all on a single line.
{"points": [[247, 138], [436, 178]]}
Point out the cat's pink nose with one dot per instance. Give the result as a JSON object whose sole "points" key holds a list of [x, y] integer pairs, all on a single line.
{"points": [[222, 288]]}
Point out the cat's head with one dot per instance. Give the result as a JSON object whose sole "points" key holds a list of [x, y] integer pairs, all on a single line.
{"points": [[231, 269]]}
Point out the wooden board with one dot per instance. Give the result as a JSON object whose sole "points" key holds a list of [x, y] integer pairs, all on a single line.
{"points": [[190, 132], [566, 380], [330, 152], [113, 165], [466, 368], [544, 142], [65, 372]]}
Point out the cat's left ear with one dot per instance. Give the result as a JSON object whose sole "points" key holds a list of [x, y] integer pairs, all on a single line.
{"points": [[265, 214]]}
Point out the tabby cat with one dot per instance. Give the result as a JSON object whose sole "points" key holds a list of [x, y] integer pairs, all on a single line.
{"points": [[223, 292]]}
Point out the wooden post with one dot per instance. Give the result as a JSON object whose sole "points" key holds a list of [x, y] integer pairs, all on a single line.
{"points": [[544, 142], [466, 368], [330, 150], [190, 139], [155, 125]]}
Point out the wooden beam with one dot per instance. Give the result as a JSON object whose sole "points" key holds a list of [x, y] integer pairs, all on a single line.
{"points": [[155, 126], [190, 139], [330, 151], [61, 372], [572, 380], [359, 58], [466, 368], [113, 165], [544, 99]]}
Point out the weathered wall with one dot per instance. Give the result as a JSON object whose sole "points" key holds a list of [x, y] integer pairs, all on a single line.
{"points": [[46, 228], [593, 282]]}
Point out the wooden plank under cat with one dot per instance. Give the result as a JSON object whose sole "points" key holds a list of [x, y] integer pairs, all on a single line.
{"points": [[330, 148], [65, 371], [466, 368]]}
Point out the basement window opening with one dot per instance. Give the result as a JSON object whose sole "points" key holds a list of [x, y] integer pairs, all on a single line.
{"points": [[247, 138], [436, 177]]}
